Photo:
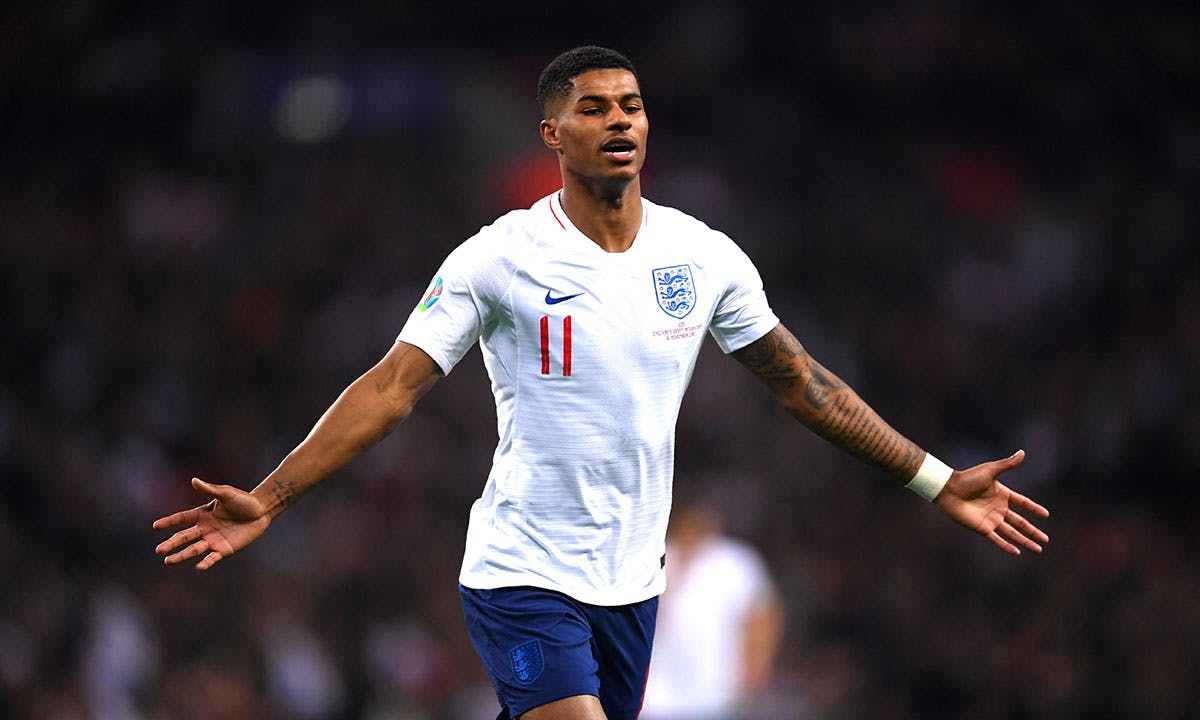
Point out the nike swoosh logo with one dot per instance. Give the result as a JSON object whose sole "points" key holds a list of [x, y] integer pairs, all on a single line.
{"points": [[556, 300]]}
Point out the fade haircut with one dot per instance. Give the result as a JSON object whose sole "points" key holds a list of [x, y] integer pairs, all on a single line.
{"points": [[557, 80]]}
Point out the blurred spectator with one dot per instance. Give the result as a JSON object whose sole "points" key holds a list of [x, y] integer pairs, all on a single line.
{"points": [[720, 622]]}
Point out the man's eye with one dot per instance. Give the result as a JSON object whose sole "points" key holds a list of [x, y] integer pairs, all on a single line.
{"points": [[592, 111], [630, 109]]}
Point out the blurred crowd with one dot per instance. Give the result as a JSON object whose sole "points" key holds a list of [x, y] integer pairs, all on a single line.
{"points": [[215, 216]]}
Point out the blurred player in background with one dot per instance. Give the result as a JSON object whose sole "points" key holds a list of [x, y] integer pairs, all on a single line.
{"points": [[720, 621], [590, 308]]}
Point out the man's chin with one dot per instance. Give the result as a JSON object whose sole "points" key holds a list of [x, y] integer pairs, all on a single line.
{"points": [[623, 172], [615, 177]]}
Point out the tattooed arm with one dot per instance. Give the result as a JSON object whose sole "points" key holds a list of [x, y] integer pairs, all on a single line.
{"points": [[825, 404], [365, 411], [816, 397]]}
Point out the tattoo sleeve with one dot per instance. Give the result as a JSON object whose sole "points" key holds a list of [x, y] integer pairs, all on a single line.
{"points": [[827, 405]]}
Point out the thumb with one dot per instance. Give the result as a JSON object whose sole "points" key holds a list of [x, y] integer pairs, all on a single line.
{"points": [[219, 492], [1011, 461]]}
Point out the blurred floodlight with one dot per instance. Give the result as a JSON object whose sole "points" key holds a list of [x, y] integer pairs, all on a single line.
{"points": [[312, 109]]}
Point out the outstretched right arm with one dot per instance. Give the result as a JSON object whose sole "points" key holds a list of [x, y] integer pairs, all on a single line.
{"points": [[361, 416]]}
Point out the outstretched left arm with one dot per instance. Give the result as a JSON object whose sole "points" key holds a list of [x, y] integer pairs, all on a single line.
{"points": [[828, 406]]}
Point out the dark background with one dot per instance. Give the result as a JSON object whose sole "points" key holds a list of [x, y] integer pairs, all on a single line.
{"points": [[215, 215]]}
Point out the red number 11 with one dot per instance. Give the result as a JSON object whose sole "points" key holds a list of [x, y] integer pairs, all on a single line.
{"points": [[566, 328]]}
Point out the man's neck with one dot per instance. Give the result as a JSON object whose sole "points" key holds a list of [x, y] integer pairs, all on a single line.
{"points": [[609, 216]]}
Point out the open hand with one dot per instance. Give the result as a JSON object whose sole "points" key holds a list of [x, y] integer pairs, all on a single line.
{"points": [[975, 499], [228, 522]]}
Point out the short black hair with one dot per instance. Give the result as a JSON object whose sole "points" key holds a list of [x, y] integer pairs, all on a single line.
{"points": [[557, 80]]}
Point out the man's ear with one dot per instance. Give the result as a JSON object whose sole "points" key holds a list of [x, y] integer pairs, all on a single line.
{"points": [[549, 130]]}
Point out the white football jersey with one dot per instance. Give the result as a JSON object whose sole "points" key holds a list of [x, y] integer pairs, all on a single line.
{"points": [[589, 354]]}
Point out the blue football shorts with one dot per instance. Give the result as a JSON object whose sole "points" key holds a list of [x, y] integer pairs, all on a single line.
{"points": [[539, 646]]}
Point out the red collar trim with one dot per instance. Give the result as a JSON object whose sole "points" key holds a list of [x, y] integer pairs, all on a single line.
{"points": [[560, 222], [645, 213]]}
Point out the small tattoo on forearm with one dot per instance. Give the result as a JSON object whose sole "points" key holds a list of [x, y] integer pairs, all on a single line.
{"points": [[285, 492]]}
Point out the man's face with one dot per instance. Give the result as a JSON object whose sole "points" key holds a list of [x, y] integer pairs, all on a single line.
{"points": [[600, 129]]}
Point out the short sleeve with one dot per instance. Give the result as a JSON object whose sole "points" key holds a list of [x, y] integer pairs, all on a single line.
{"points": [[743, 314], [458, 303]]}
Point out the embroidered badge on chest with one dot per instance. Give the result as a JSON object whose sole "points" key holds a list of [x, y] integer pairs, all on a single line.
{"points": [[674, 290]]}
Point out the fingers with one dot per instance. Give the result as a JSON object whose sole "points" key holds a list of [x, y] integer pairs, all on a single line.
{"points": [[1026, 527], [1026, 504], [209, 560], [1003, 544], [188, 552], [1014, 535], [196, 549], [1014, 531], [182, 517], [179, 539], [190, 543]]}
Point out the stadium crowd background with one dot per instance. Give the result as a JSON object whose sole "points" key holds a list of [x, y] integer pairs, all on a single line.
{"points": [[215, 216]]}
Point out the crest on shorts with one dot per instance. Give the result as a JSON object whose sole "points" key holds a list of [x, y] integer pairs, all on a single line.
{"points": [[527, 662], [674, 290]]}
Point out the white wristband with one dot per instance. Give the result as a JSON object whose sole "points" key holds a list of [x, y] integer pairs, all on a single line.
{"points": [[930, 478]]}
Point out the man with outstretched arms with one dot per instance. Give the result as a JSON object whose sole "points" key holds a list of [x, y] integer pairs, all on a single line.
{"points": [[589, 353], [590, 308]]}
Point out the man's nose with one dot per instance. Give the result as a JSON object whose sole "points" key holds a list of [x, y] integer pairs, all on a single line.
{"points": [[618, 120]]}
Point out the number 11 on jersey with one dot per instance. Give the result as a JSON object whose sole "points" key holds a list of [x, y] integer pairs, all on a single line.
{"points": [[566, 345]]}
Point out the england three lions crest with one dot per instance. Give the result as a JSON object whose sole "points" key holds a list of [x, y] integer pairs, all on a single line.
{"points": [[674, 290]]}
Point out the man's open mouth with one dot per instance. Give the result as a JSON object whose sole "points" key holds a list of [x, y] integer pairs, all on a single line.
{"points": [[619, 149]]}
